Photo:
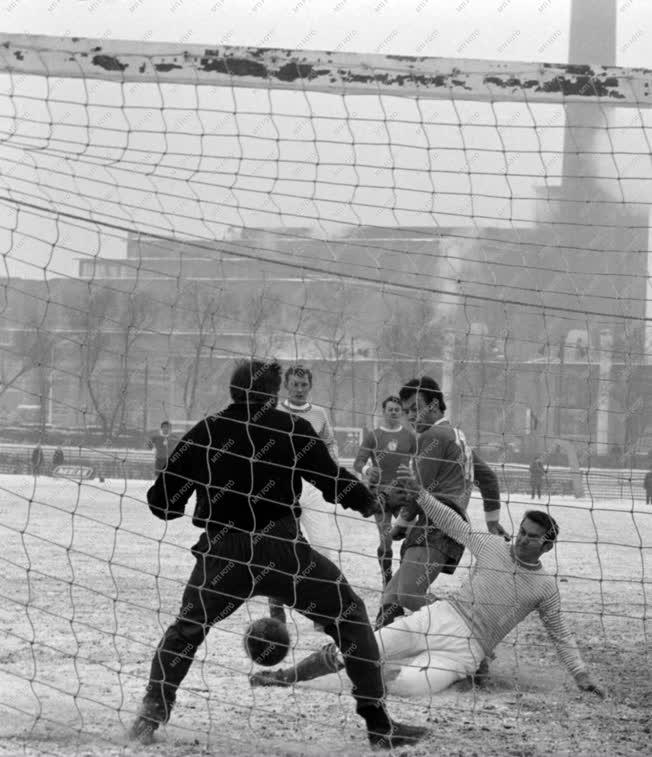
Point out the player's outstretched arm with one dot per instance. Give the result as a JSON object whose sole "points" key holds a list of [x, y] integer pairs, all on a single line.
{"points": [[441, 515], [555, 623], [487, 481], [171, 491], [585, 682]]}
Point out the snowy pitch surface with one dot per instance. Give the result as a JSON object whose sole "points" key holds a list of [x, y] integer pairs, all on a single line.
{"points": [[89, 580]]}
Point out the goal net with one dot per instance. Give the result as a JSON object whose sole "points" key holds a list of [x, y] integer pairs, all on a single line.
{"points": [[166, 210]]}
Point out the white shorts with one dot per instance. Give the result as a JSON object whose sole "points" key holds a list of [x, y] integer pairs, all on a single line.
{"points": [[423, 654], [427, 651], [319, 523]]}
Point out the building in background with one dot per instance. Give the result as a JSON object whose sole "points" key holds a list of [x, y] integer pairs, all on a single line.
{"points": [[155, 334]]}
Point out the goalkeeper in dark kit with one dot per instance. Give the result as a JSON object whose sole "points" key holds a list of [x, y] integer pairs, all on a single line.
{"points": [[245, 464]]}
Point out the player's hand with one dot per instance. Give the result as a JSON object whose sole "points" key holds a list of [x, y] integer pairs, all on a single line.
{"points": [[373, 476], [586, 683], [373, 507], [494, 527], [406, 482]]}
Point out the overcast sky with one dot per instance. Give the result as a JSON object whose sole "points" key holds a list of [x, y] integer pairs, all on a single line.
{"points": [[529, 30]]}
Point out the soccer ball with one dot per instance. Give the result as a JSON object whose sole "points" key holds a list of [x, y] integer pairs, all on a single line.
{"points": [[267, 641]]}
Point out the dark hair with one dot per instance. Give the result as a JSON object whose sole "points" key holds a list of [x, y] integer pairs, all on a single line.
{"points": [[425, 386], [298, 370], [391, 398], [255, 381], [545, 521], [165, 423]]}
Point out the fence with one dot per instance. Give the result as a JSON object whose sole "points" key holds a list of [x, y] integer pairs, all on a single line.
{"points": [[514, 479]]}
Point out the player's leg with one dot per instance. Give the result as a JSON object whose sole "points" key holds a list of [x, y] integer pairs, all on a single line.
{"points": [[422, 654], [320, 529], [404, 639], [451, 654], [420, 566], [218, 585], [277, 610], [314, 586], [390, 609], [384, 525]]}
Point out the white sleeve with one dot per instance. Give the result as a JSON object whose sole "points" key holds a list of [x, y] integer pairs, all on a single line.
{"points": [[452, 524], [328, 436]]}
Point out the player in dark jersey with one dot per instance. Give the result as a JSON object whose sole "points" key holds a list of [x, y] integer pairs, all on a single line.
{"points": [[163, 445], [245, 465], [446, 467], [388, 446]]}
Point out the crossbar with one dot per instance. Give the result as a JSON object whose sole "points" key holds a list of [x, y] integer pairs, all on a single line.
{"points": [[331, 72]]}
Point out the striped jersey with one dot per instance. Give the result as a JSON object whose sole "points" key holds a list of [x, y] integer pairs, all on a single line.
{"points": [[500, 592], [318, 419]]}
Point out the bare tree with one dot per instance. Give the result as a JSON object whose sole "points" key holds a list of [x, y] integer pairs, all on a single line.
{"points": [[410, 335], [332, 322], [260, 314], [110, 325], [206, 317], [31, 349]]}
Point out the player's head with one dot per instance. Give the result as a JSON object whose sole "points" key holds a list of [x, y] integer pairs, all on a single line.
{"points": [[165, 427], [256, 382], [298, 382], [392, 409], [423, 402], [536, 535]]}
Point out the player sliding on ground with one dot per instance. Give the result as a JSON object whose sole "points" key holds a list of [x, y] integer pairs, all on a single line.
{"points": [[445, 642], [246, 464]]}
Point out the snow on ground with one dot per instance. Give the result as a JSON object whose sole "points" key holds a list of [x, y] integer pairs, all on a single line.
{"points": [[89, 580]]}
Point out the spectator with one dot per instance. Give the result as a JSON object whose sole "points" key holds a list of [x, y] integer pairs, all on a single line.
{"points": [[163, 445], [537, 472], [57, 458], [37, 460], [647, 485]]}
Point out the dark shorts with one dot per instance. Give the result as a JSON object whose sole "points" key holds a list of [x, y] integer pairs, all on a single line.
{"points": [[440, 543], [387, 508], [232, 566]]}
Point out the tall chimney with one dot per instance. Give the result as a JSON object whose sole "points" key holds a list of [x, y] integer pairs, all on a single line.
{"points": [[592, 42]]}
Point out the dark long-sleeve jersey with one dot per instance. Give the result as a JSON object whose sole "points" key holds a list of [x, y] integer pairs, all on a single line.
{"points": [[447, 468], [245, 465]]}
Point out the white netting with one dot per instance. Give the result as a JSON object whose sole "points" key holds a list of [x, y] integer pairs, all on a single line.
{"points": [[153, 232]]}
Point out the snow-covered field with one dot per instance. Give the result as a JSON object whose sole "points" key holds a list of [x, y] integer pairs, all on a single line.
{"points": [[89, 579]]}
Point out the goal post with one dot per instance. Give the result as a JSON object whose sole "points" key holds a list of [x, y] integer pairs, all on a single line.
{"points": [[168, 209], [323, 71]]}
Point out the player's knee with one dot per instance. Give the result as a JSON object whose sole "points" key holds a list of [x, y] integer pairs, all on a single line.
{"points": [[353, 611], [192, 632], [384, 549], [410, 599]]}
